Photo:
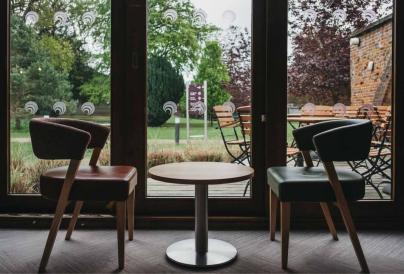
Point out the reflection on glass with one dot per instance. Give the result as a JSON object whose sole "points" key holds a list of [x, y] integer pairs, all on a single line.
{"points": [[59, 67], [199, 73], [340, 66]]}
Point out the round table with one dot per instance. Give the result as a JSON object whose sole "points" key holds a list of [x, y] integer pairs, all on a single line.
{"points": [[201, 251]]}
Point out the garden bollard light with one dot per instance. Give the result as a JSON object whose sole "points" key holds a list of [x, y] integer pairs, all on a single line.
{"points": [[177, 129]]}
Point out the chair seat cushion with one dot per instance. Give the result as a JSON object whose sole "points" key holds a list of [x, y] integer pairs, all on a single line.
{"points": [[100, 183], [311, 184]]}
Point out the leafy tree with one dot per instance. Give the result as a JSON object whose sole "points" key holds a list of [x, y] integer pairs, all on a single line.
{"points": [[165, 83], [319, 67], [237, 57], [180, 41], [212, 69], [89, 40], [97, 89], [34, 76]]}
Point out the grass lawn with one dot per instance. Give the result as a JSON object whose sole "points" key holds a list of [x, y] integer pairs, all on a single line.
{"points": [[164, 132]]}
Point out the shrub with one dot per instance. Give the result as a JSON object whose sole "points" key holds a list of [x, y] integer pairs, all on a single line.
{"points": [[163, 157], [165, 83]]}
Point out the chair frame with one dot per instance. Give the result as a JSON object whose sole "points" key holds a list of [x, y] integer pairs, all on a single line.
{"points": [[123, 209], [341, 203], [244, 146]]}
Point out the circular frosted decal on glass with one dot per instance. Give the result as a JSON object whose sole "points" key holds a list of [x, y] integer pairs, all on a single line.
{"points": [[59, 108], [310, 15], [60, 18], [339, 108], [88, 108], [89, 17], [31, 107], [31, 18], [170, 107], [339, 15], [171, 15], [309, 109], [229, 16], [200, 108], [200, 17], [369, 15], [230, 106]]}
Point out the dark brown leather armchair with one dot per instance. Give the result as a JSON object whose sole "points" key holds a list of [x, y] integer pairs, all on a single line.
{"points": [[54, 139]]}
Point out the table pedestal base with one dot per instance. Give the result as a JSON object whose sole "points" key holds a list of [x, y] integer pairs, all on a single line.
{"points": [[184, 253]]}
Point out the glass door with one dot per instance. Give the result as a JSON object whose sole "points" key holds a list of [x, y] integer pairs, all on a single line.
{"points": [[200, 99], [199, 74]]}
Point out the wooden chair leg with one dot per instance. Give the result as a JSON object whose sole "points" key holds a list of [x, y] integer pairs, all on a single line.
{"points": [[285, 225], [57, 219], [346, 216], [60, 209], [130, 208], [273, 209], [73, 221], [120, 226], [328, 218]]}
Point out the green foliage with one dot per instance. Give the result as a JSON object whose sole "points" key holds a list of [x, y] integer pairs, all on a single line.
{"points": [[97, 90], [212, 70], [34, 76], [60, 53], [165, 83], [178, 41]]}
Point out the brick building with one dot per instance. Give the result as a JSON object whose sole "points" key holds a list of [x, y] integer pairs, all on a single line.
{"points": [[371, 64]]}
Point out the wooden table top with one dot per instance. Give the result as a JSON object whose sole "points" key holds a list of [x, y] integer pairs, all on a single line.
{"points": [[312, 119], [201, 173]]}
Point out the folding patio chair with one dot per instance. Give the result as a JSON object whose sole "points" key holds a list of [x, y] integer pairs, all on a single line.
{"points": [[378, 161], [229, 129]]}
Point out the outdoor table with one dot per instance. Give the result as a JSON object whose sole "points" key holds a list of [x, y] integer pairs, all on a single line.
{"points": [[310, 119], [201, 252]]}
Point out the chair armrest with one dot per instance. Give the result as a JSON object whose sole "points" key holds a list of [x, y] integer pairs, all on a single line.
{"points": [[346, 143], [99, 133], [52, 141]]}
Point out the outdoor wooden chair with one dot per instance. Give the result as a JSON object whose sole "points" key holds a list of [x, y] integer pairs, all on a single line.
{"points": [[229, 130], [378, 161], [54, 139], [341, 140]]}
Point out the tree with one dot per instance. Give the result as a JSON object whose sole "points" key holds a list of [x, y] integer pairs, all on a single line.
{"points": [[34, 75], [178, 38], [212, 69], [165, 83], [319, 69], [86, 33], [237, 57]]}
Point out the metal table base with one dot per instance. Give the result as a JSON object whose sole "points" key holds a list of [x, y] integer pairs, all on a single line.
{"points": [[201, 251]]}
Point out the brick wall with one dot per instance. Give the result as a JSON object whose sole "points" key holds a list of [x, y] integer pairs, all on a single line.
{"points": [[371, 65]]}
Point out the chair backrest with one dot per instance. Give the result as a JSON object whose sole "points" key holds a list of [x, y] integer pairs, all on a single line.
{"points": [[323, 111], [352, 111], [339, 140], [55, 138], [310, 109], [224, 117], [245, 117]]}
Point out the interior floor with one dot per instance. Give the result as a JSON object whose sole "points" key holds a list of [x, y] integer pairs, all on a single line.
{"points": [[95, 251]]}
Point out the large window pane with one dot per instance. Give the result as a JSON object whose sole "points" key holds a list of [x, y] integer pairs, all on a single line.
{"points": [[199, 54], [59, 67], [340, 67]]}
